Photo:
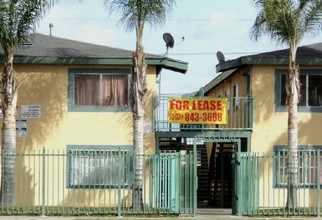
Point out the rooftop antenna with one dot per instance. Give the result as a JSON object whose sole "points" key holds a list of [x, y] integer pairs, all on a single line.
{"points": [[220, 57], [169, 41], [51, 26], [182, 39]]}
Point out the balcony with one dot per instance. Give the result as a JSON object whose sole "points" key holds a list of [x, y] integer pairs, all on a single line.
{"points": [[239, 116]]}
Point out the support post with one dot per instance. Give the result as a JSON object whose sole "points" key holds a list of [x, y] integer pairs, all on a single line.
{"points": [[318, 185], [43, 181], [195, 181]]}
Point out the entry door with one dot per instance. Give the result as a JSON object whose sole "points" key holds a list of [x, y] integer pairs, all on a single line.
{"points": [[236, 173], [165, 192], [240, 194], [245, 172]]}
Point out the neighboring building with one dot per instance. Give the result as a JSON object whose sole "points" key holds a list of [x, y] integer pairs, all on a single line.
{"points": [[262, 78], [256, 86], [74, 98], [256, 123]]}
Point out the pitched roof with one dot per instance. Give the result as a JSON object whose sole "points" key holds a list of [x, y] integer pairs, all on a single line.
{"points": [[306, 55], [44, 49], [218, 80]]}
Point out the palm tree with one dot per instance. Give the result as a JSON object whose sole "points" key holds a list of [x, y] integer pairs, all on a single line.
{"points": [[288, 22], [17, 22], [134, 15]]}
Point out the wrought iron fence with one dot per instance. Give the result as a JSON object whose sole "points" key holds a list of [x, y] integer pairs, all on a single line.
{"points": [[261, 184], [97, 182]]}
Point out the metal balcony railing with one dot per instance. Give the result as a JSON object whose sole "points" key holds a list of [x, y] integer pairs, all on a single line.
{"points": [[240, 116]]}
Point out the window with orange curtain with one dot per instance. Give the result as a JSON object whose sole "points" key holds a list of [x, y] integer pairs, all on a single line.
{"points": [[101, 90]]}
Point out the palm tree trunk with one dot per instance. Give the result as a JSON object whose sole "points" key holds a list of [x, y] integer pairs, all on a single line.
{"points": [[8, 156], [293, 89], [138, 165], [293, 156], [9, 103], [138, 93]]}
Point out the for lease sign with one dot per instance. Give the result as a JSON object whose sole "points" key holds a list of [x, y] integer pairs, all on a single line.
{"points": [[197, 110]]}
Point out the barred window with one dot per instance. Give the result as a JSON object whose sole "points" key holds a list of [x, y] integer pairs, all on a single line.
{"points": [[307, 166], [100, 168]]}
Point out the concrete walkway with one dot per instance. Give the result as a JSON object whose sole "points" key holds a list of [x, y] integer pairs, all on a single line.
{"points": [[202, 214]]}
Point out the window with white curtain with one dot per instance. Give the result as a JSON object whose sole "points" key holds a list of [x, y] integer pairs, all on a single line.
{"points": [[99, 167], [309, 170]]}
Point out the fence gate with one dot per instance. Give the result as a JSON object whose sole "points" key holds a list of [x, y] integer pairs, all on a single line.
{"points": [[245, 195], [174, 182]]}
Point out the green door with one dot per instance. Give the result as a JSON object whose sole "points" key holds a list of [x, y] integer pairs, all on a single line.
{"points": [[165, 192], [245, 172]]}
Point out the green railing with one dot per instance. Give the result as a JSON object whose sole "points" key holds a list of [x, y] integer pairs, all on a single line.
{"points": [[100, 183], [261, 184], [240, 116]]}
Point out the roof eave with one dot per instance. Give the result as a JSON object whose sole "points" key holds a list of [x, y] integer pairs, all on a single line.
{"points": [[69, 60], [170, 64], [165, 63], [249, 60]]}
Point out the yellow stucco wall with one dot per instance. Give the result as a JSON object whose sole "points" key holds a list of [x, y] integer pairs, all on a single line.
{"points": [[270, 127], [47, 86]]}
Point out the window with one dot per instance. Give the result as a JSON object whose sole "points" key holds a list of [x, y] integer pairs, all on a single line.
{"points": [[307, 166], [236, 97], [303, 92], [98, 90], [227, 95], [99, 167], [311, 90]]}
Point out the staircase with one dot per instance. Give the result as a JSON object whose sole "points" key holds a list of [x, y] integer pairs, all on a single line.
{"points": [[220, 173], [170, 144], [202, 172]]}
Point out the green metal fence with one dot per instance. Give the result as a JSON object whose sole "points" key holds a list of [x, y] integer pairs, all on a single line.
{"points": [[261, 184], [100, 183]]}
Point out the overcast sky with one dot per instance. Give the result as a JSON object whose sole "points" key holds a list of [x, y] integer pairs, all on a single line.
{"points": [[207, 26]]}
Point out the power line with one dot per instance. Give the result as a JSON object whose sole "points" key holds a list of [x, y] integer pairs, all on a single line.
{"points": [[209, 53], [210, 19], [169, 20]]}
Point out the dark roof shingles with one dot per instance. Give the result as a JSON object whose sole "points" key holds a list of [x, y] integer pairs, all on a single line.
{"points": [[43, 45]]}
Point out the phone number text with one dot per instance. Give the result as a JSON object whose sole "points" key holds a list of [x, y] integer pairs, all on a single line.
{"points": [[196, 117]]}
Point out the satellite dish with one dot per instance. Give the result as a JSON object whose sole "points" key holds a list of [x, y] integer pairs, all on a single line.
{"points": [[220, 57], [168, 39]]}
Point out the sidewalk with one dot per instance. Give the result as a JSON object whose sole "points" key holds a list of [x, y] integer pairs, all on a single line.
{"points": [[202, 214], [197, 217]]}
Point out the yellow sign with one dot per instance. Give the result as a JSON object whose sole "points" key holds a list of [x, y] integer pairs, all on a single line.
{"points": [[197, 110]]}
